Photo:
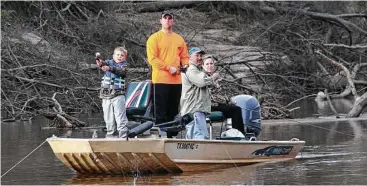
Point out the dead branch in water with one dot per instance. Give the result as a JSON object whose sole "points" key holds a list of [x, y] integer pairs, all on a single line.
{"points": [[346, 71], [62, 120], [59, 117], [331, 104]]}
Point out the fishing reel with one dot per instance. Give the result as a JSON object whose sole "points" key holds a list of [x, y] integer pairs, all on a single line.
{"points": [[99, 58], [183, 69]]}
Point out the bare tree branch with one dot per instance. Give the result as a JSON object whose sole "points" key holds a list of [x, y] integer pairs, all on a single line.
{"points": [[351, 15], [359, 104], [349, 77], [347, 46]]}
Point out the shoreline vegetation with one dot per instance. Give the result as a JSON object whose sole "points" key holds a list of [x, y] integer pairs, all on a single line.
{"points": [[279, 52]]}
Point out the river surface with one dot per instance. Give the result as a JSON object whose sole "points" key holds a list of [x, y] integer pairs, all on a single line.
{"points": [[335, 154]]}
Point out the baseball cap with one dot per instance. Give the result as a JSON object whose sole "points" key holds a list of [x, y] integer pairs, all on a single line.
{"points": [[194, 50], [167, 12]]}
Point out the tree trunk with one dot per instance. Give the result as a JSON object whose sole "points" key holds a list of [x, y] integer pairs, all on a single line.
{"points": [[359, 104], [158, 6], [346, 71], [331, 104]]}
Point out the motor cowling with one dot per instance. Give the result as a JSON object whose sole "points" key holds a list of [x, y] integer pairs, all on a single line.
{"points": [[251, 113]]}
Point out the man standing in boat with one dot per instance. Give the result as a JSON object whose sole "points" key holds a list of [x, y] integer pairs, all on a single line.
{"points": [[166, 52], [195, 97]]}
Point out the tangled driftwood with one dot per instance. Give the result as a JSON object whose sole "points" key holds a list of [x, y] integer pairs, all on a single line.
{"points": [[300, 64]]}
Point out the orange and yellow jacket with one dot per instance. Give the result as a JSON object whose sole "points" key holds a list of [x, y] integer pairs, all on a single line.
{"points": [[165, 50]]}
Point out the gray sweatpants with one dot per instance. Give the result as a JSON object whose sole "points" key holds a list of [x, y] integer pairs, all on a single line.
{"points": [[114, 114]]}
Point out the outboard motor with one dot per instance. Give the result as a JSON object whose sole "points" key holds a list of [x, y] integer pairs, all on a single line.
{"points": [[251, 113]]}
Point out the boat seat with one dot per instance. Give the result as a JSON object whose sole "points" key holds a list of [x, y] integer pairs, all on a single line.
{"points": [[138, 99], [134, 111], [216, 116]]}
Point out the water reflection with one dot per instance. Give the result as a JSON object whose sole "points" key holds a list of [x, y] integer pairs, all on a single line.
{"points": [[335, 153], [235, 175], [318, 107], [357, 130], [341, 105]]}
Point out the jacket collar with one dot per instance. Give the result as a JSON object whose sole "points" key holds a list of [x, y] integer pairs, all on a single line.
{"points": [[195, 65]]}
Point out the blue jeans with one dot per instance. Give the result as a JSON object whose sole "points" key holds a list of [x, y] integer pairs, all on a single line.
{"points": [[197, 129], [114, 114]]}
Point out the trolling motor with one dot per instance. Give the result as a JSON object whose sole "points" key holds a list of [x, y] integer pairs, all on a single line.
{"points": [[140, 129], [177, 124]]}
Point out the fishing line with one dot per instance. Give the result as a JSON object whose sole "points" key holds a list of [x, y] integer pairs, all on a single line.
{"points": [[184, 72], [322, 128], [154, 87], [155, 109], [23, 158], [239, 170]]}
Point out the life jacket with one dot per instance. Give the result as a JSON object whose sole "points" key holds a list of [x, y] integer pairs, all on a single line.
{"points": [[111, 80]]}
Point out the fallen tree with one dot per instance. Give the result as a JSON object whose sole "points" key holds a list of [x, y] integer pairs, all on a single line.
{"points": [[301, 35], [62, 58]]}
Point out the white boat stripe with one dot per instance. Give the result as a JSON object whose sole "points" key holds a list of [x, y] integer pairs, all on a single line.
{"points": [[141, 94]]}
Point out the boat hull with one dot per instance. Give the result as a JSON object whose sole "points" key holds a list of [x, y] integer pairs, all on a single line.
{"points": [[161, 155]]}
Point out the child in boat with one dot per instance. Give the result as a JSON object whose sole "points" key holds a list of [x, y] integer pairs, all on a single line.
{"points": [[112, 93]]}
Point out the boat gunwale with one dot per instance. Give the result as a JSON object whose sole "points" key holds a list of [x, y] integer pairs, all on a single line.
{"points": [[178, 140]]}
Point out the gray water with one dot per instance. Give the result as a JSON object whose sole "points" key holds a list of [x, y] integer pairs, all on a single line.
{"points": [[335, 153]]}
